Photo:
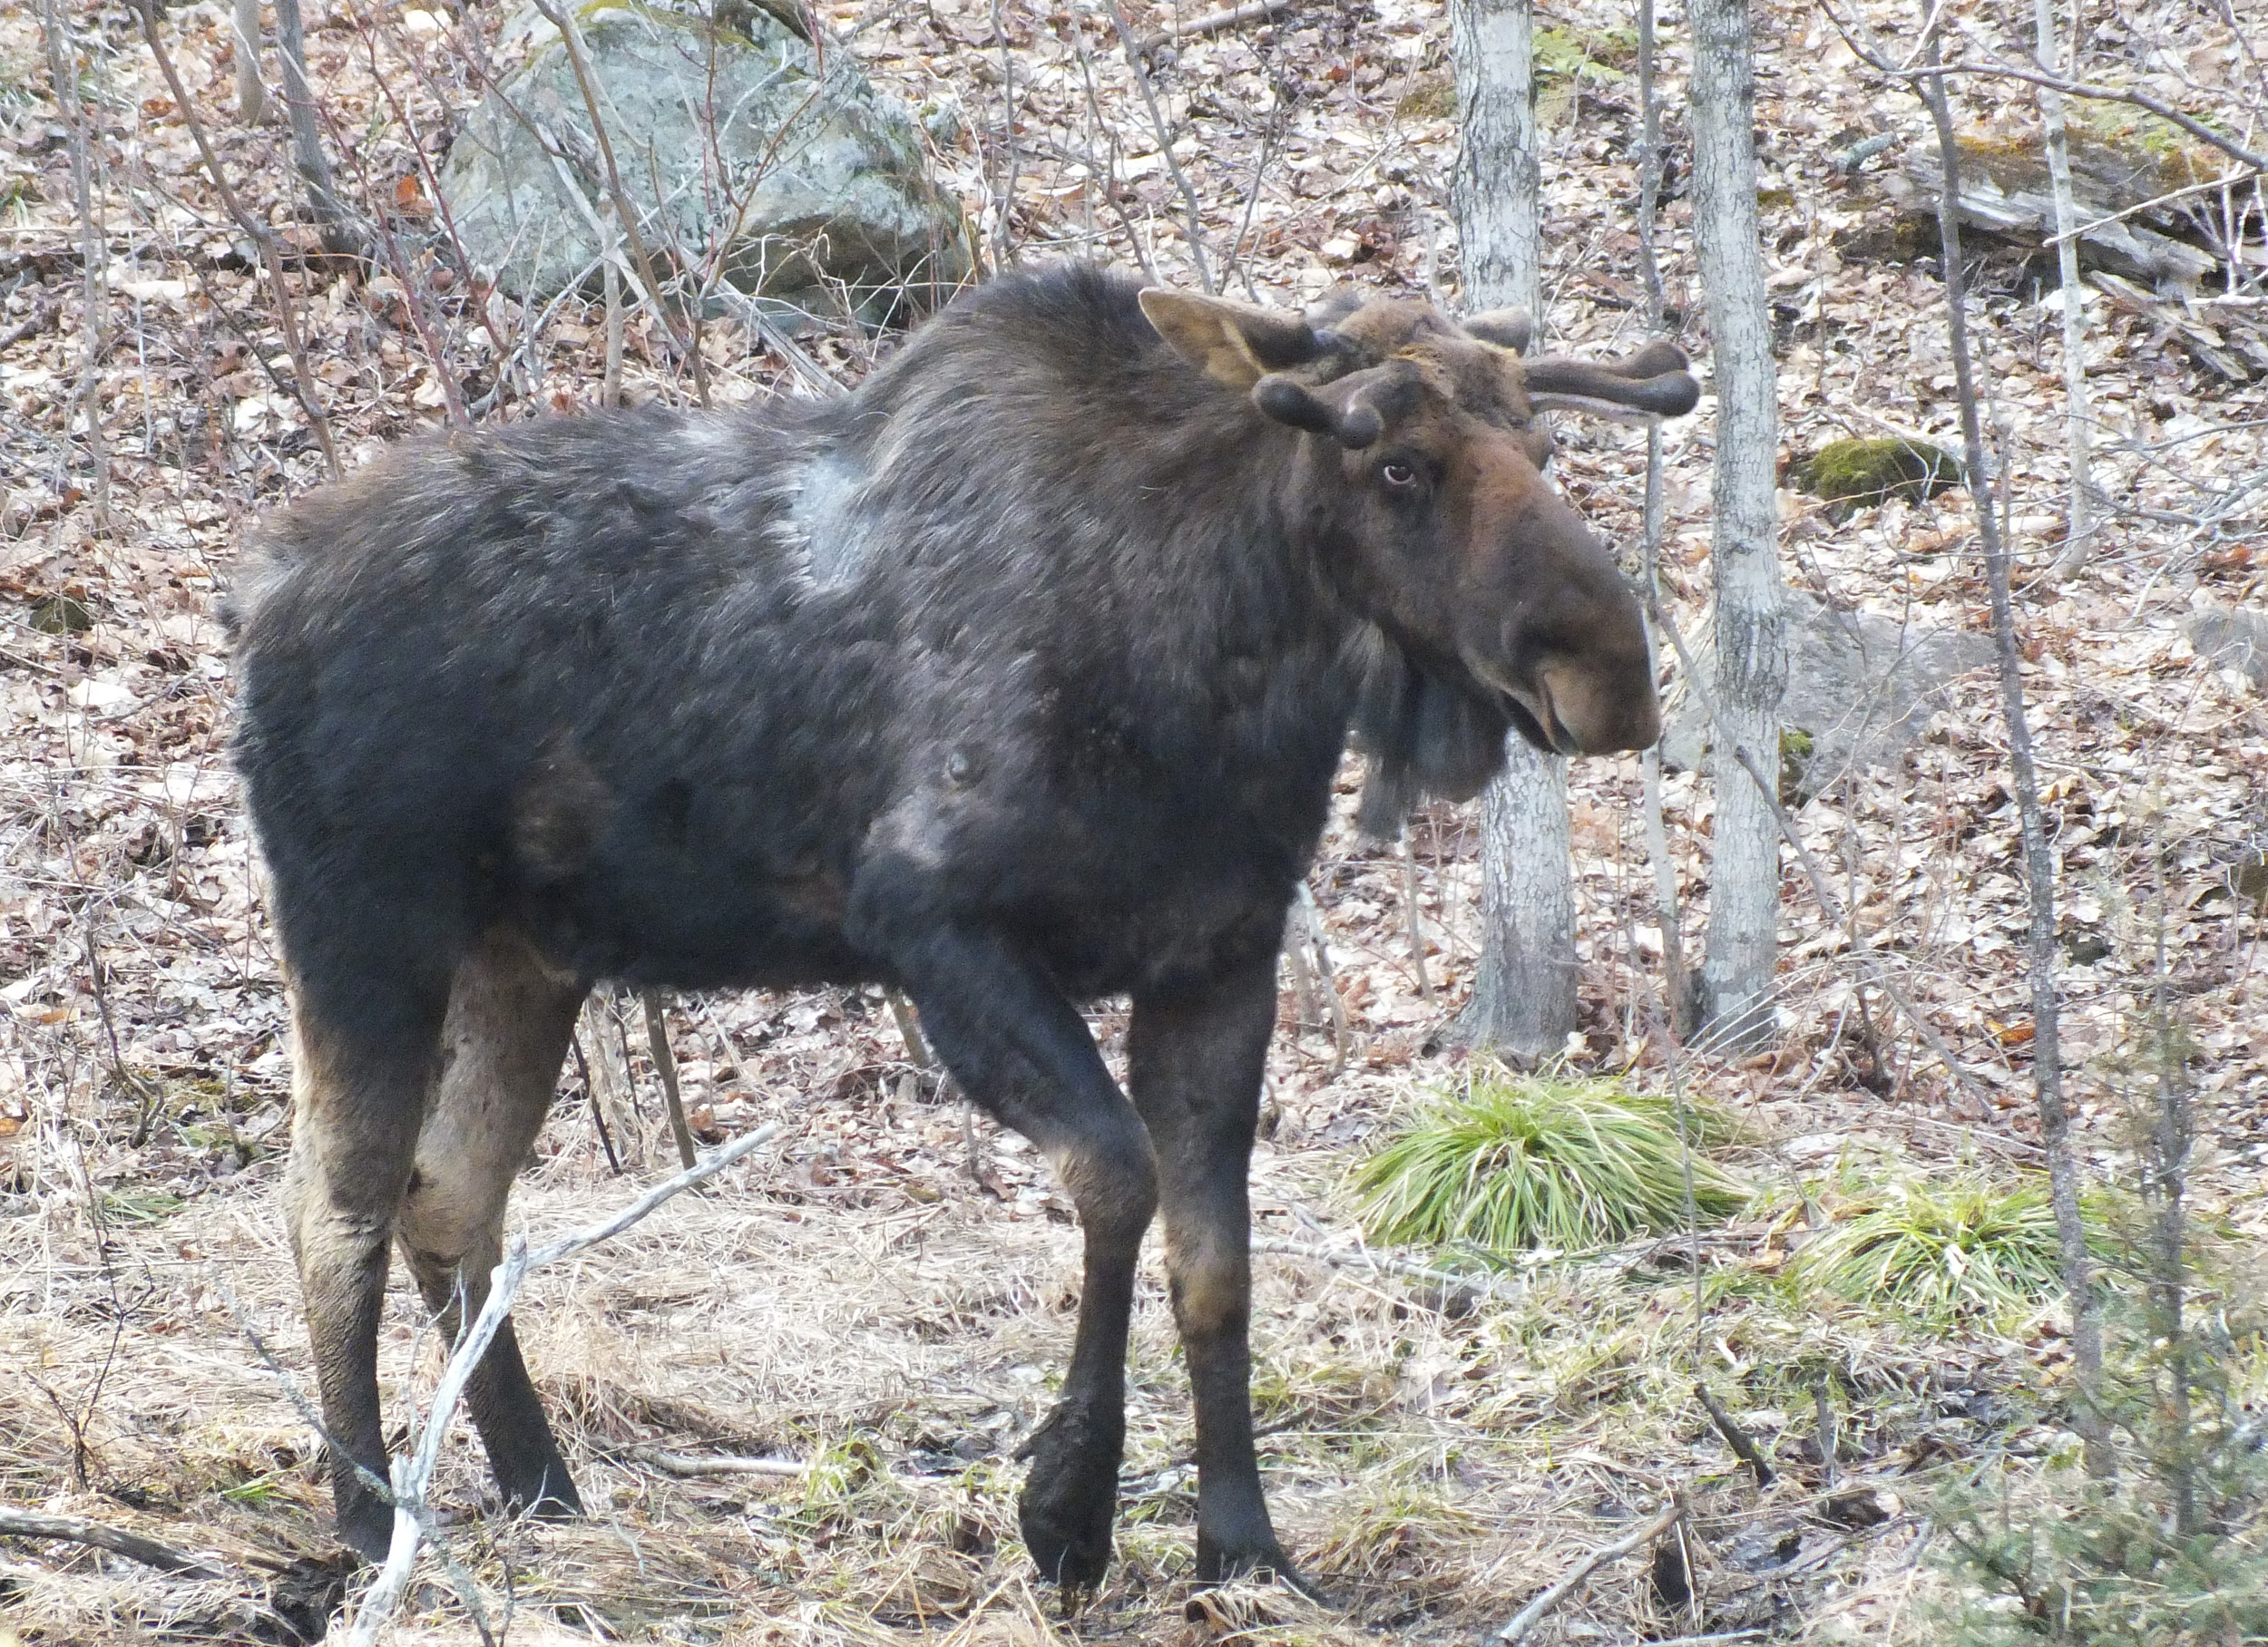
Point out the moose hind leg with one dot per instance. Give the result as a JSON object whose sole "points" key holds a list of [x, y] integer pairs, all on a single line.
{"points": [[356, 1099], [510, 1018]]}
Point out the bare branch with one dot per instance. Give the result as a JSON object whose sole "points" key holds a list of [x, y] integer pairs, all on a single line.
{"points": [[413, 1474], [1165, 141], [74, 1529], [1534, 1614], [1212, 22], [254, 228]]}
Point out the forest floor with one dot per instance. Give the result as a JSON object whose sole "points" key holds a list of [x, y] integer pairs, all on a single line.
{"points": [[886, 1294]]}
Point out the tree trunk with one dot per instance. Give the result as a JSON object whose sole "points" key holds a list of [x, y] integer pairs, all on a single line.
{"points": [[1751, 648], [1524, 996], [2076, 539], [2039, 861], [332, 221]]}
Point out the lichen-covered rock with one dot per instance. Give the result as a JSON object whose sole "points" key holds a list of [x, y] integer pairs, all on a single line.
{"points": [[1858, 688], [1856, 474], [738, 145], [2232, 637]]}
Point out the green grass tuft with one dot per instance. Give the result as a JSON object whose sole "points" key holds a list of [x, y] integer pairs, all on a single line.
{"points": [[1518, 1162], [1963, 1246]]}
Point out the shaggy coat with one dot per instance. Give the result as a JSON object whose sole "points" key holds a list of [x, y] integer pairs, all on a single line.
{"points": [[1014, 679]]}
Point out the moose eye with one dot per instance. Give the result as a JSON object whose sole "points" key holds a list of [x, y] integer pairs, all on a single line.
{"points": [[1397, 474]]}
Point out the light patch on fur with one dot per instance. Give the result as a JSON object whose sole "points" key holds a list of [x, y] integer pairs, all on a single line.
{"points": [[822, 522]]}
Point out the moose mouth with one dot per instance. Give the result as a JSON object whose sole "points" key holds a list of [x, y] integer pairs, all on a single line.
{"points": [[1539, 725], [1532, 712]]}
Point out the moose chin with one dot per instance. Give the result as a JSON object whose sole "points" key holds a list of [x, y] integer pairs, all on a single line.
{"points": [[1016, 678]]}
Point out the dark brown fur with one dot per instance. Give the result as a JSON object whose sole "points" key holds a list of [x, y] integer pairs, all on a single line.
{"points": [[1014, 679]]}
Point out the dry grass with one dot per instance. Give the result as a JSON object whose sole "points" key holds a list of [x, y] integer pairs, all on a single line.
{"points": [[1433, 1470]]}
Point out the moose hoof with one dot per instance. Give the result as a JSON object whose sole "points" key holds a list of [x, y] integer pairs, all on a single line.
{"points": [[552, 1496], [1069, 1543], [1221, 1562], [1068, 1502], [367, 1527]]}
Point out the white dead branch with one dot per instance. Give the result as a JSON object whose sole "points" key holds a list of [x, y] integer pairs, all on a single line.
{"points": [[413, 1474], [1528, 1617]]}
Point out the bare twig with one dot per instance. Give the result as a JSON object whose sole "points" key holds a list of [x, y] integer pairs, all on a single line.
{"points": [[1823, 1409], [1165, 141], [909, 1028], [625, 215], [332, 221], [665, 1065], [1410, 915], [1862, 947], [94, 331], [413, 1474], [1310, 917], [1212, 22], [2040, 864], [254, 229], [1734, 1437], [43, 315], [1004, 230], [598, 1110], [1534, 1614], [74, 1529], [1938, 72]]}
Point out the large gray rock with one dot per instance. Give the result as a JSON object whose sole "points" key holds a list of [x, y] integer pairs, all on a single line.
{"points": [[2232, 637], [730, 134], [1858, 688]]}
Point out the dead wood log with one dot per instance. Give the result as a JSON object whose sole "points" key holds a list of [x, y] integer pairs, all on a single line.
{"points": [[74, 1529], [1212, 22], [2126, 195]]}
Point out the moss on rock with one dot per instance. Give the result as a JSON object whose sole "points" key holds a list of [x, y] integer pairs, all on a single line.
{"points": [[1856, 474]]}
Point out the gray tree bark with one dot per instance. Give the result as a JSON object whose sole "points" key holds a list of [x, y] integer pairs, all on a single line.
{"points": [[2063, 1171], [1736, 986], [1523, 995], [2078, 541], [251, 93]]}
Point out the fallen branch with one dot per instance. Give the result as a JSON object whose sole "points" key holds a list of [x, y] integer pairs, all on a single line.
{"points": [[1734, 1437], [701, 1464], [1212, 22], [37, 321], [413, 1474], [74, 1529], [1645, 1532]]}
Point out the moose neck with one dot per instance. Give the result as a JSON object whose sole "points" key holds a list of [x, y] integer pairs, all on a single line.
{"points": [[1148, 530]]}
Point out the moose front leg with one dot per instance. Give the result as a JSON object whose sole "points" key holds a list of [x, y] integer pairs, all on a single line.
{"points": [[1018, 1049], [1197, 1058]]}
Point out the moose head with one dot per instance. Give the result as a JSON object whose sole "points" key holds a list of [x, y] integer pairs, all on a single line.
{"points": [[1424, 490]]}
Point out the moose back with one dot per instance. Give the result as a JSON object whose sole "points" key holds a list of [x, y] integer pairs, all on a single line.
{"points": [[1014, 679]]}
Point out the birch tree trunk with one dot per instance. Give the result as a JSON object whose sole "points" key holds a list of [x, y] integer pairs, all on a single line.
{"points": [[1523, 995], [1751, 647]]}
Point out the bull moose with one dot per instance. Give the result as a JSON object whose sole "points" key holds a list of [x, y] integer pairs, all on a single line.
{"points": [[1015, 679]]}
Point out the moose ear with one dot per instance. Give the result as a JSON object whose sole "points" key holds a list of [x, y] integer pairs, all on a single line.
{"points": [[1508, 328], [1235, 344]]}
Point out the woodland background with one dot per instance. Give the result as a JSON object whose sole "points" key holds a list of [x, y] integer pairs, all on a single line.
{"points": [[884, 1294]]}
